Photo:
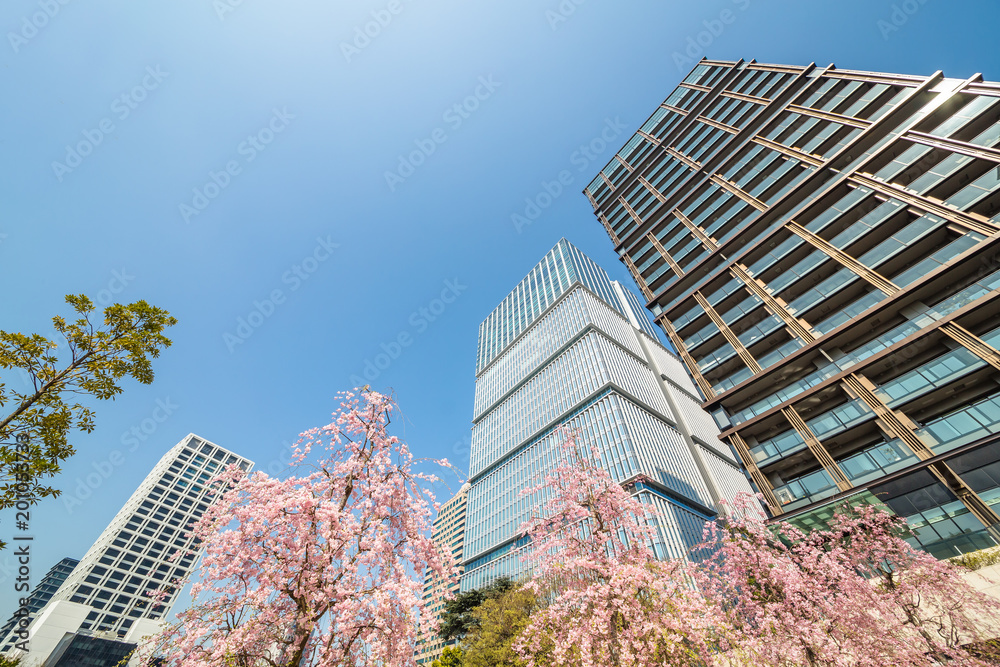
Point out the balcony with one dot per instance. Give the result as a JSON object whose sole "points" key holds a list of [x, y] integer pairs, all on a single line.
{"points": [[877, 462], [805, 490], [963, 426], [776, 448]]}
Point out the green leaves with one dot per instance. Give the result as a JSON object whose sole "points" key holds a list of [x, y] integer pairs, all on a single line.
{"points": [[458, 619], [93, 357], [500, 619], [450, 657]]}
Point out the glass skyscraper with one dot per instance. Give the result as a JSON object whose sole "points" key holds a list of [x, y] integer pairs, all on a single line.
{"points": [[822, 247], [102, 608], [570, 346]]}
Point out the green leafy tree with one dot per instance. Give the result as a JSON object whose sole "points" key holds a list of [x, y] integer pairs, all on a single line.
{"points": [[499, 621], [457, 619], [34, 435], [450, 657]]}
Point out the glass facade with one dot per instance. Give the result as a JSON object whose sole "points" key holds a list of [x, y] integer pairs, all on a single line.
{"points": [[38, 598], [586, 357], [561, 268], [85, 651], [939, 522], [822, 248]]}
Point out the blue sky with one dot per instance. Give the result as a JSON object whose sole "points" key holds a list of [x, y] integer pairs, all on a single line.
{"points": [[236, 151]]}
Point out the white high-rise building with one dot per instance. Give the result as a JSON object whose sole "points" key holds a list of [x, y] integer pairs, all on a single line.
{"points": [[570, 346], [102, 610]]}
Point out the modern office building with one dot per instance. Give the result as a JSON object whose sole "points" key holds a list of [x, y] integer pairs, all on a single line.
{"points": [[448, 532], [822, 247], [569, 346], [102, 610], [37, 599]]}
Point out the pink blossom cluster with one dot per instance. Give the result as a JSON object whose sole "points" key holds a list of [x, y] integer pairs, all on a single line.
{"points": [[852, 594], [322, 568], [327, 568], [610, 601]]}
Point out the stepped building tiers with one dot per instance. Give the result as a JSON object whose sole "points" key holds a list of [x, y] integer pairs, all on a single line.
{"points": [[570, 346], [101, 610], [822, 247]]}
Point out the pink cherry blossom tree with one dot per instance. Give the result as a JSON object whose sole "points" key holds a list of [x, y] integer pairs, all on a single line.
{"points": [[853, 594], [610, 601], [320, 568]]}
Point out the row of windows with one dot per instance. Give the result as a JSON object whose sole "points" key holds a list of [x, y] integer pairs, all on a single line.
{"points": [[809, 134], [706, 75], [761, 83], [935, 373], [699, 145], [577, 310], [554, 275], [719, 214], [589, 364], [539, 289], [915, 322], [630, 441], [39, 597], [131, 556], [943, 433], [803, 132], [746, 158], [880, 254], [728, 110], [939, 522], [856, 99]]}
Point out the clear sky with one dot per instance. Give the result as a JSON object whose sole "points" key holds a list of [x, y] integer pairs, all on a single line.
{"points": [[211, 155]]}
